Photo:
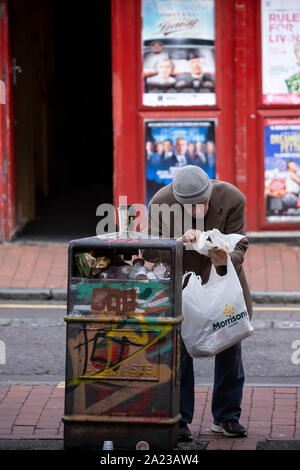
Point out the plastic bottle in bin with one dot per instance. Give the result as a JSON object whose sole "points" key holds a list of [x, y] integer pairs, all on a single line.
{"points": [[117, 272], [162, 270], [123, 272], [138, 270]]}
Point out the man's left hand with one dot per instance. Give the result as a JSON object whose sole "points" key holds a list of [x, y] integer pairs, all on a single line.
{"points": [[218, 258]]}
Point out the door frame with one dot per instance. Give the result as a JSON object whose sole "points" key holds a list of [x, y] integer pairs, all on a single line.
{"points": [[8, 197]]}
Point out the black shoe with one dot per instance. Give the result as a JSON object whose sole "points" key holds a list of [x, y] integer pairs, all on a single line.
{"points": [[184, 434], [230, 429]]}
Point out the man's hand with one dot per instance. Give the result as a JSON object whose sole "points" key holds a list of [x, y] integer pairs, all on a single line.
{"points": [[218, 257], [190, 236]]}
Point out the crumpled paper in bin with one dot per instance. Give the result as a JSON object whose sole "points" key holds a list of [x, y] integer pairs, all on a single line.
{"points": [[89, 266]]}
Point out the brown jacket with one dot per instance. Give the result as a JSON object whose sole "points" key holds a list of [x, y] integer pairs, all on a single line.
{"points": [[226, 213]]}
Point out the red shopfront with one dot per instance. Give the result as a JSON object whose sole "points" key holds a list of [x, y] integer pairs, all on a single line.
{"points": [[252, 123], [247, 113]]}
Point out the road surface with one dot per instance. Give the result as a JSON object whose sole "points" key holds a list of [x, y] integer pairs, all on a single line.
{"points": [[33, 336]]}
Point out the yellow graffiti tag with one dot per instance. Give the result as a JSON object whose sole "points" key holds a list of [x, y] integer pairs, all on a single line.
{"points": [[141, 338]]}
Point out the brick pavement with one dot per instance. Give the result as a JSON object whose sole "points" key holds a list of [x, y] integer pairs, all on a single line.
{"points": [[33, 267], [35, 412], [267, 413], [273, 267], [31, 411], [268, 267]]}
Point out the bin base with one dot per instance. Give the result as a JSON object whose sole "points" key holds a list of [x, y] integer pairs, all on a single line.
{"points": [[91, 435]]}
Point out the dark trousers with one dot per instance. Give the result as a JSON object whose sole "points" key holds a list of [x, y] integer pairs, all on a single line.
{"points": [[228, 385]]}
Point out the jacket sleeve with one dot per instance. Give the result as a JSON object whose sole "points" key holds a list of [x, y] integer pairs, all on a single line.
{"points": [[235, 223]]}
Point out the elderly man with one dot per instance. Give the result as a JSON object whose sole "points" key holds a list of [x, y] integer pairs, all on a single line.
{"points": [[220, 205]]}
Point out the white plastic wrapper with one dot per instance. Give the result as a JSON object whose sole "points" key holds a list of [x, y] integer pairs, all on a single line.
{"points": [[214, 239]]}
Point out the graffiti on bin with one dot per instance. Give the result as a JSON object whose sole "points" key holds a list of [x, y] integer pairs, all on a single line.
{"points": [[120, 351], [123, 363], [124, 299], [124, 354]]}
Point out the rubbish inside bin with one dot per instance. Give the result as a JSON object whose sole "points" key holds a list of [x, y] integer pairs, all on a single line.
{"points": [[90, 266], [161, 270], [103, 268], [138, 262], [117, 272], [138, 271]]}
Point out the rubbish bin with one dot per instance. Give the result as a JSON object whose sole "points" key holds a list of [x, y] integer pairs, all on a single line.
{"points": [[122, 345]]}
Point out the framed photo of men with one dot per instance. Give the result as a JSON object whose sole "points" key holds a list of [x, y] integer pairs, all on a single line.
{"points": [[171, 144]]}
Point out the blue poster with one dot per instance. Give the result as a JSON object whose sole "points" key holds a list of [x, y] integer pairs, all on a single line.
{"points": [[282, 169], [171, 144]]}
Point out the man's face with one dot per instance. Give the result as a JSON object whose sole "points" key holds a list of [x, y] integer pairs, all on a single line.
{"points": [[196, 65], [197, 211], [199, 147], [167, 146], [149, 146], [293, 167], [159, 147], [181, 146], [210, 147], [165, 69], [191, 148]]}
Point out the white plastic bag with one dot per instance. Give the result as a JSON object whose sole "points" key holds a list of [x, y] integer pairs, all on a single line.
{"points": [[215, 239], [215, 314]]}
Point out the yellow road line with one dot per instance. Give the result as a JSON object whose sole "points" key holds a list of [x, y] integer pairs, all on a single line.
{"points": [[277, 308], [54, 306]]}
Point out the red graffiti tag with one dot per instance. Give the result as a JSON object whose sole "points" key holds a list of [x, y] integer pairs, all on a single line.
{"points": [[114, 300]]}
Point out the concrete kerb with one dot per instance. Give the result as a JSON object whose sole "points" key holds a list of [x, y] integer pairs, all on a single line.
{"points": [[33, 294], [275, 297], [267, 297], [197, 444], [288, 238], [58, 444], [31, 444]]}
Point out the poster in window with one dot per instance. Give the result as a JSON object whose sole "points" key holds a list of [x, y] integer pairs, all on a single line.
{"points": [[172, 144], [282, 169], [281, 51], [178, 38]]}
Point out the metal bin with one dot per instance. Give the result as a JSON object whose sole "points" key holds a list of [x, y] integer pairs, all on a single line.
{"points": [[123, 350]]}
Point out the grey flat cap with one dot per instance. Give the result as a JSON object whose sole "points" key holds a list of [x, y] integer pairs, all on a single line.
{"points": [[191, 185]]}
